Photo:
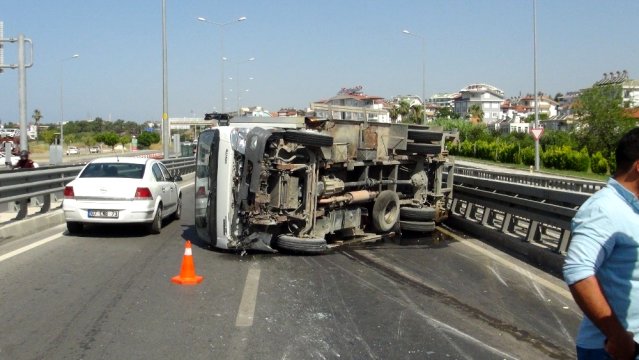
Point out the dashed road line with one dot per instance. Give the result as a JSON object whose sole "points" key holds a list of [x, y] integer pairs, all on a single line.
{"points": [[249, 298]]}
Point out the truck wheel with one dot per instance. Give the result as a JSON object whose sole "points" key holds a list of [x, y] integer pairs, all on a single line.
{"points": [[385, 211], [74, 227], [425, 149], [292, 243], [417, 226], [419, 214], [425, 135], [308, 138]]}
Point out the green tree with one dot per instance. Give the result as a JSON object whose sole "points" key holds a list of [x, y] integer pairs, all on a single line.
{"points": [[603, 120], [48, 135], [404, 109], [37, 116], [109, 138], [147, 138], [393, 112], [477, 113], [446, 112], [416, 115], [125, 140]]}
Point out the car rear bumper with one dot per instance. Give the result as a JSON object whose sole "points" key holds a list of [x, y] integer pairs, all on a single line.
{"points": [[134, 212]]}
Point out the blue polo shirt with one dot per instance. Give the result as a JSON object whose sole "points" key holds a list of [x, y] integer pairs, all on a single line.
{"points": [[605, 243]]}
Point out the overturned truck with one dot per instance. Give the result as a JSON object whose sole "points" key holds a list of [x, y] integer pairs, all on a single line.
{"points": [[309, 185]]}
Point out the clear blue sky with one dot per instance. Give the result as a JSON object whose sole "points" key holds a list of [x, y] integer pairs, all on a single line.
{"points": [[304, 51]]}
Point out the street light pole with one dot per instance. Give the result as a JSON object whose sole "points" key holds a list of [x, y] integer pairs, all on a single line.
{"points": [[237, 81], [535, 83], [166, 129], [222, 58], [75, 56], [423, 71]]}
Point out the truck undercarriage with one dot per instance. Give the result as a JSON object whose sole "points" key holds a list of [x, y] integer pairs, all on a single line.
{"points": [[337, 181]]}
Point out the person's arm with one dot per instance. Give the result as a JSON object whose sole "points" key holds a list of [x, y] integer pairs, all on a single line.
{"points": [[592, 301]]}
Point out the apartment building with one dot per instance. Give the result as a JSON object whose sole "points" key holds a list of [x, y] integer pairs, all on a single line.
{"points": [[352, 104], [488, 97]]}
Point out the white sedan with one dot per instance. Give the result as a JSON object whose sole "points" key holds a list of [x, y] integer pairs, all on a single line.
{"points": [[117, 190]]}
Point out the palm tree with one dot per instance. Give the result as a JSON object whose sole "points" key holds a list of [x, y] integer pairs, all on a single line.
{"points": [[37, 115], [393, 112], [476, 113], [403, 110], [417, 114]]}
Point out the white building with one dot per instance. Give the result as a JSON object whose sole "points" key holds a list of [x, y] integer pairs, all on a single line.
{"points": [[488, 97], [630, 88], [352, 104]]}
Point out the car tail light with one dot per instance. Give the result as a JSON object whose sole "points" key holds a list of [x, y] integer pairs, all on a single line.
{"points": [[201, 192], [68, 192], [143, 193]]}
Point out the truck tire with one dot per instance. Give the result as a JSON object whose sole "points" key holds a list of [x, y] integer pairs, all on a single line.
{"points": [[292, 243], [424, 149], [308, 138], [425, 135], [417, 226], [418, 214], [385, 211]]}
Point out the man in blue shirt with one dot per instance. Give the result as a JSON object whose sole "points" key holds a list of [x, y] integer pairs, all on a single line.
{"points": [[602, 264]]}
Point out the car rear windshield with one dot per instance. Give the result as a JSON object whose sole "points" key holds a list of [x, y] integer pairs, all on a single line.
{"points": [[113, 170]]}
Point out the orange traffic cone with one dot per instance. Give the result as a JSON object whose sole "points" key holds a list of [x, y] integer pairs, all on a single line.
{"points": [[187, 272]]}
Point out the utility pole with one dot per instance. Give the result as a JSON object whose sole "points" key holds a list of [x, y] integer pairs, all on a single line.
{"points": [[166, 130], [22, 79]]}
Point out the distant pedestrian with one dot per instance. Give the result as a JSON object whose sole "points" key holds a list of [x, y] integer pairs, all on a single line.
{"points": [[602, 265], [24, 162]]}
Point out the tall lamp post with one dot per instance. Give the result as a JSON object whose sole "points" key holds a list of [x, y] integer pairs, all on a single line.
{"points": [[221, 26], [75, 56], [237, 81], [535, 83], [423, 39], [166, 127]]}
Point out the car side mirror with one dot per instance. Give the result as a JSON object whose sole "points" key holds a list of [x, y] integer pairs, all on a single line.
{"points": [[177, 178]]}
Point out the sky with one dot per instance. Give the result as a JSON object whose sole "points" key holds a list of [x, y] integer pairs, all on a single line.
{"points": [[304, 51]]}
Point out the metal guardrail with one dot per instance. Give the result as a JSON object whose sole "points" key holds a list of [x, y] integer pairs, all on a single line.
{"points": [[530, 208], [527, 208], [42, 183]]}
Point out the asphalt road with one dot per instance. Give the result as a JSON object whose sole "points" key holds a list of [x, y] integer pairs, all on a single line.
{"points": [[107, 295]]}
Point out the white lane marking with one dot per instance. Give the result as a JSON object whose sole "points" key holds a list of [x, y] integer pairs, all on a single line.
{"points": [[249, 297], [563, 291], [19, 251], [498, 276]]}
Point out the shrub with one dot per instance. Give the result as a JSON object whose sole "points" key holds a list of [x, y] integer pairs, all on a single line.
{"points": [[599, 164]]}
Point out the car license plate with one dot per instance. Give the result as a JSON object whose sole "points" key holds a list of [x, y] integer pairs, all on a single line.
{"points": [[111, 214]]}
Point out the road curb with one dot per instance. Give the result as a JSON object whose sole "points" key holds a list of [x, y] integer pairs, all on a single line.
{"points": [[31, 224]]}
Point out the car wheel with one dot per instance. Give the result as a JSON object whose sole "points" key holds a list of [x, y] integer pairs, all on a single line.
{"points": [[74, 227], [385, 211], [156, 225], [178, 211]]}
